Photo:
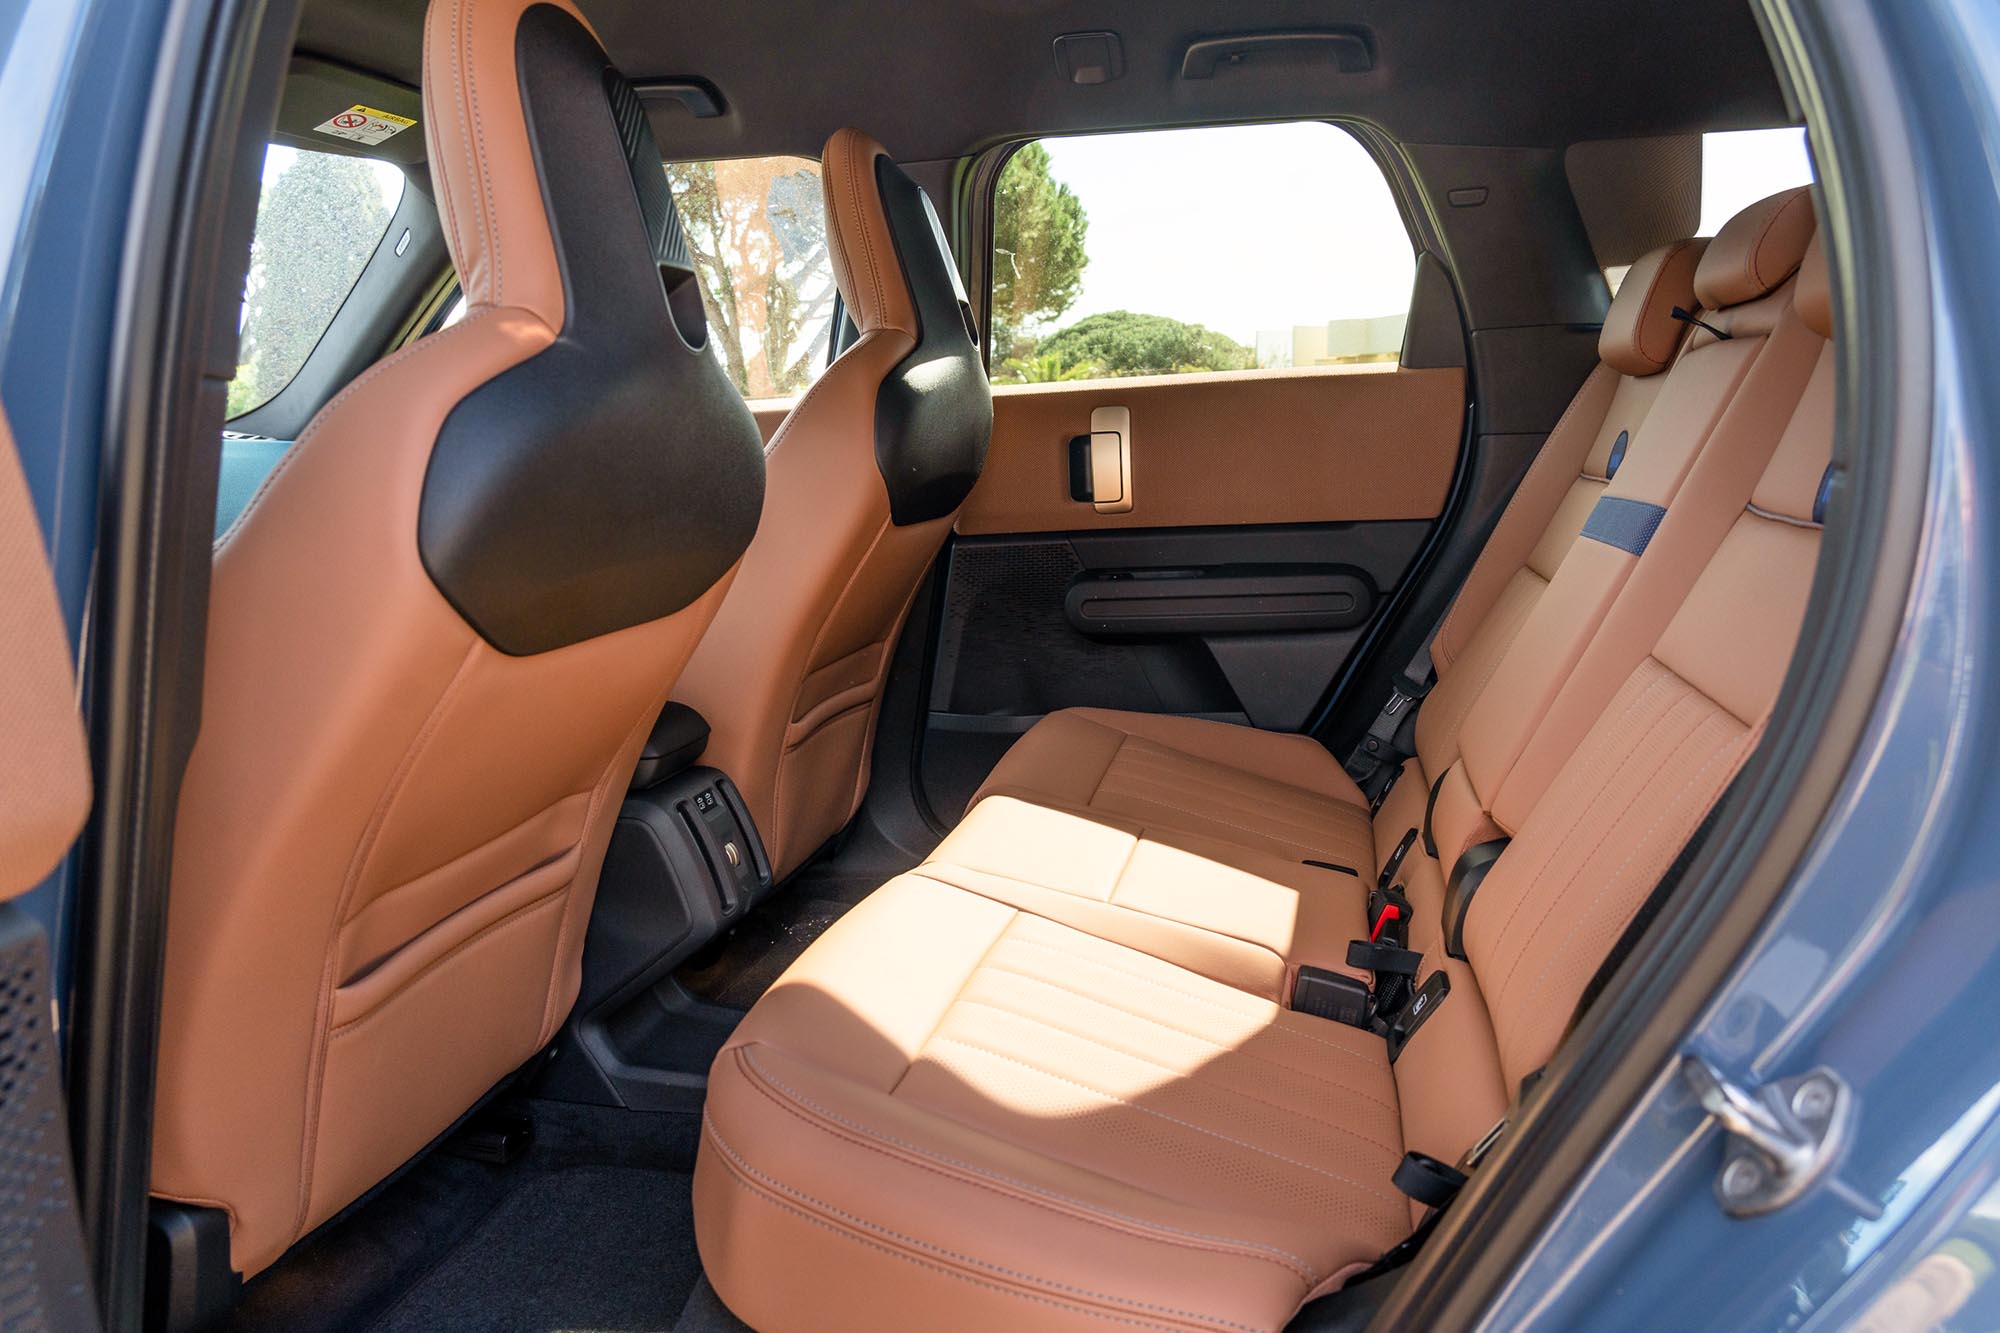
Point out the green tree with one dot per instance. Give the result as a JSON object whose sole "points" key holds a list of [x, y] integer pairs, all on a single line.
{"points": [[756, 230], [1039, 229], [318, 220], [1047, 369], [1124, 343]]}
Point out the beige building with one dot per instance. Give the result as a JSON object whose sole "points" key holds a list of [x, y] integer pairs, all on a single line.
{"points": [[1334, 343]]}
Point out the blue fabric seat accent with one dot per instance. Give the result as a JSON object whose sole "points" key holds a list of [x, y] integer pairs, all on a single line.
{"points": [[1625, 524], [1617, 458]]}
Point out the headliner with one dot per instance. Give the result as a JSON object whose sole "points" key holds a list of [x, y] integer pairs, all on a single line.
{"points": [[938, 80]]}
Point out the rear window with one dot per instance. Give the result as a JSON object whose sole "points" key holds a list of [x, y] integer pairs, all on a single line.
{"points": [[1739, 167], [319, 217], [1636, 194], [1249, 247], [756, 227]]}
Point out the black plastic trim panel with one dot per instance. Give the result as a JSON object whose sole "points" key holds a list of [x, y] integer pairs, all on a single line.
{"points": [[1227, 600], [934, 412], [613, 477]]}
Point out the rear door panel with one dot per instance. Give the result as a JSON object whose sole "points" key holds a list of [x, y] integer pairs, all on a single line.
{"points": [[1273, 515], [1364, 444]]}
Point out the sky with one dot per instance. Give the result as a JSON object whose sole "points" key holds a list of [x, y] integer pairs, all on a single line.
{"points": [[1742, 167], [1267, 226], [1253, 227], [1242, 228]]}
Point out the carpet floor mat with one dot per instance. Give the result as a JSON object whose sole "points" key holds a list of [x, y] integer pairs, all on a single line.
{"points": [[591, 1228], [588, 1247]]}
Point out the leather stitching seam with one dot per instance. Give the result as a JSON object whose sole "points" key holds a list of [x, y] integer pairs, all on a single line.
{"points": [[357, 864], [1183, 1032], [818, 1117], [1279, 838], [1606, 829], [1543, 456], [743, 1168], [1193, 1079], [1163, 1115], [1171, 768], [1579, 812], [314, 426], [1637, 845], [1180, 784], [515, 917], [1198, 999]]}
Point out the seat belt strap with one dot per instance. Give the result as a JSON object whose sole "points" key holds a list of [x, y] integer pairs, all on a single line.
{"points": [[1434, 1185], [1391, 737]]}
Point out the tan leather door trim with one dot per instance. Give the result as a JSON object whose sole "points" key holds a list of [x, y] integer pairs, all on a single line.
{"points": [[1321, 445], [44, 760]]}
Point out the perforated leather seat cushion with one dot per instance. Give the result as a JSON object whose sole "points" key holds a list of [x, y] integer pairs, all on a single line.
{"points": [[976, 1118], [1282, 795]]}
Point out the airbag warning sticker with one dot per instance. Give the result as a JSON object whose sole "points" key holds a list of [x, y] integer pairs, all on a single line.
{"points": [[364, 124]]}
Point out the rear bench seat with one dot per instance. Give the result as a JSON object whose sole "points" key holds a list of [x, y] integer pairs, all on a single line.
{"points": [[1139, 827], [1049, 1078]]}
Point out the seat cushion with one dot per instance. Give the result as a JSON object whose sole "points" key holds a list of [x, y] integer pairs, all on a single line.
{"points": [[960, 1115], [1242, 917], [1280, 794]]}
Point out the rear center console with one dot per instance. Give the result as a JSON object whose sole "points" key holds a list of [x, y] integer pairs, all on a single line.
{"points": [[684, 865]]}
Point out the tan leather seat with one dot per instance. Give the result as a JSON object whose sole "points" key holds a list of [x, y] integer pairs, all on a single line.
{"points": [[45, 784], [1161, 776], [1208, 858], [865, 476], [437, 639], [968, 1108]]}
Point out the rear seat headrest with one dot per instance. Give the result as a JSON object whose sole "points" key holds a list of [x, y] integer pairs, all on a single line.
{"points": [[1756, 250], [1813, 296], [1640, 332]]}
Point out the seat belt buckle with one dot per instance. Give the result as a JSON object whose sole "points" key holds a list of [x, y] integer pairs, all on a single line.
{"points": [[1404, 1024], [1395, 862], [1335, 995], [1404, 691], [1389, 915], [1383, 960]]}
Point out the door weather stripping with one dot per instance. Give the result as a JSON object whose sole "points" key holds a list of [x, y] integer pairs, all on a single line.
{"points": [[1780, 1139]]}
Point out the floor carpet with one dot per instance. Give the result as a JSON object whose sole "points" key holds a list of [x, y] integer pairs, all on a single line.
{"points": [[588, 1247], [590, 1229]]}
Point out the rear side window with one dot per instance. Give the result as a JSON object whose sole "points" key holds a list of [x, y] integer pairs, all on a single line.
{"points": [[1637, 194], [319, 217], [1255, 247], [1739, 167], [756, 228]]}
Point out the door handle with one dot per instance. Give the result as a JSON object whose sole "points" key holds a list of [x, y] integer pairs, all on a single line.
{"points": [[1100, 463]]}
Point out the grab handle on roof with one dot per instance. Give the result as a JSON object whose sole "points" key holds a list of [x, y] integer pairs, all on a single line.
{"points": [[1352, 50], [699, 96]]}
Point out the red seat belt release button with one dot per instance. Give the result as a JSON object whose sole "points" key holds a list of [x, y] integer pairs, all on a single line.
{"points": [[1392, 912]]}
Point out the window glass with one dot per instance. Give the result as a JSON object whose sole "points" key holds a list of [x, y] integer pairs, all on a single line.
{"points": [[1742, 166], [1250, 247], [319, 217], [757, 230]]}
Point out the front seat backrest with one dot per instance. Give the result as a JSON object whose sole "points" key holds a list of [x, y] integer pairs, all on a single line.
{"points": [[865, 477], [437, 639]]}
